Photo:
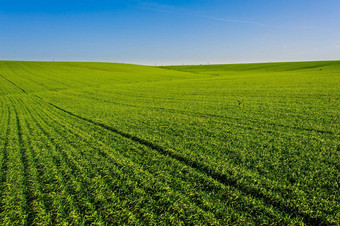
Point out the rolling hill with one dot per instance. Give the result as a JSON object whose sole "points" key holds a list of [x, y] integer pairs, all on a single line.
{"points": [[107, 143]]}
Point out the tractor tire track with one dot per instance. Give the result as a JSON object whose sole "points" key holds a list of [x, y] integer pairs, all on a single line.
{"points": [[14, 84], [240, 120], [108, 156], [103, 154], [222, 178]]}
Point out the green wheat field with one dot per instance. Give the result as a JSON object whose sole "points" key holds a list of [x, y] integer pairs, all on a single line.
{"points": [[106, 143]]}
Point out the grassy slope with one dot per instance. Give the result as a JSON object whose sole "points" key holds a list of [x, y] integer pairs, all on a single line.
{"points": [[211, 144]]}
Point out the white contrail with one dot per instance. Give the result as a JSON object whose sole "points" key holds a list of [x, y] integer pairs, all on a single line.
{"points": [[205, 16]]}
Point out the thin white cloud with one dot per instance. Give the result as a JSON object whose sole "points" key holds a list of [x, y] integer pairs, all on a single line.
{"points": [[232, 20], [161, 9]]}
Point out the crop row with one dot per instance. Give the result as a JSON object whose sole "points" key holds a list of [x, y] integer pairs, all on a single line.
{"points": [[276, 192], [167, 152], [59, 174]]}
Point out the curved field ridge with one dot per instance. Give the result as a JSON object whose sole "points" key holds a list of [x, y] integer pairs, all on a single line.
{"points": [[102, 143]]}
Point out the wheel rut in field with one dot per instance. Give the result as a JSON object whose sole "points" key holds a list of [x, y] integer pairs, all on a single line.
{"points": [[224, 179], [24, 91], [202, 114], [102, 153]]}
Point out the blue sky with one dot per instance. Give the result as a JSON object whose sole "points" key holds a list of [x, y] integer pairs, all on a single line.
{"points": [[170, 32]]}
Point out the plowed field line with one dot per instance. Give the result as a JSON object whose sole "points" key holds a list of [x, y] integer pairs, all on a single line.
{"points": [[217, 176]]}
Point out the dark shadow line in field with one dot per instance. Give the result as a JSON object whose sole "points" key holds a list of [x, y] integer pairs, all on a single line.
{"points": [[193, 72], [217, 176], [101, 152], [188, 71], [72, 165], [14, 84], [198, 113], [71, 144], [209, 115], [50, 75], [41, 84], [106, 156], [269, 67], [224, 179]]}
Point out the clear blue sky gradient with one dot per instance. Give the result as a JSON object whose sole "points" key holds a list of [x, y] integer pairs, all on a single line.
{"points": [[170, 32]]}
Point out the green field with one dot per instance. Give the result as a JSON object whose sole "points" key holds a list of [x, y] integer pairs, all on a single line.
{"points": [[104, 143]]}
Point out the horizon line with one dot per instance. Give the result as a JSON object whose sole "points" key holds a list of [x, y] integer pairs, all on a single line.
{"points": [[162, 65]]}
